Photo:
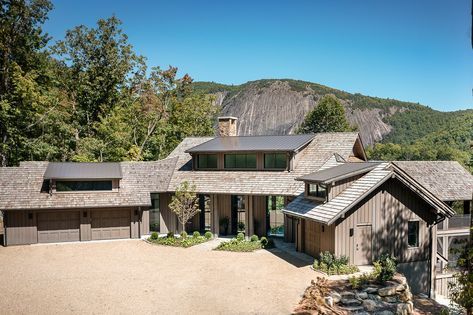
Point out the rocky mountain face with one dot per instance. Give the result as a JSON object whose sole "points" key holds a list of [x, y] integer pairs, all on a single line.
{"points": [[277, 107]]}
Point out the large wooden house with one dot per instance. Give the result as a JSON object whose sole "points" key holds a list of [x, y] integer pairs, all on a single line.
{"points": [[316, 191]]}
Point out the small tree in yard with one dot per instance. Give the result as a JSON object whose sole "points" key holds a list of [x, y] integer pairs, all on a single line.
{"points": [[185, 203]]}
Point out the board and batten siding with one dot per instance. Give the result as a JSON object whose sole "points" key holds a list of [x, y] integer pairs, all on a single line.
{"points": [[168, 219], [336, 188], [19, 228], [318, 238], [387, 210]]}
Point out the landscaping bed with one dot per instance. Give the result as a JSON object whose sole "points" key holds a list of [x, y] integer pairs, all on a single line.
{"points": [[182, 240], [332, 265], [239, 244]]}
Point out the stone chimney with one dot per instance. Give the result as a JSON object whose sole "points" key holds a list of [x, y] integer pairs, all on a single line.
{"points": [[227, 126]]}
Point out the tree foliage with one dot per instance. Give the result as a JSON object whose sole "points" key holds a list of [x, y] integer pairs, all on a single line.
{"points": [[185, 203], [89, 96], [327, 116]]}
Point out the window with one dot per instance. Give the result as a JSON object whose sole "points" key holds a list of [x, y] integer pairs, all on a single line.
{"points": [[413, 233], [204, 204], [275, 160], [207, 161], [240, 160], [83, 185], [276, 216], [154, 213], [316, 190]]}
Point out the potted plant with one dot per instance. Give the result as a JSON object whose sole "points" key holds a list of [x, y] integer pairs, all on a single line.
{"points": [[224, 223], [241, 226]]}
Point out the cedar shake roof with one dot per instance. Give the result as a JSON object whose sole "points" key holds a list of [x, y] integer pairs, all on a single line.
{"points": [[330, 211], [320, 150], [71, 170], [288, 143], [448, 180], [20, 187], [339, 172]]}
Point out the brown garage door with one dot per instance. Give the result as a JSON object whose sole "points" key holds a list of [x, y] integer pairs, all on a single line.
{"points": [[110, 224], [61, 226]]}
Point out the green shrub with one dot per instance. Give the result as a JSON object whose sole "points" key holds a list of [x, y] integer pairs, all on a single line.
{"points": [[170, 234], [385, 267], [264, 241], [208, 235], [154, 236], [270, 244], [355, 282], [254, 238], [333, 265], [240, 237], [184, 234], [196, 234]]}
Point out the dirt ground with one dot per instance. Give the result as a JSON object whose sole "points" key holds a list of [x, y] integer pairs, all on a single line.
{"points": [[132, 276]]}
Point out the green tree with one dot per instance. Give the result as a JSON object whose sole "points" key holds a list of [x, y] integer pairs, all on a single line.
{"points": [[327, 116], [185, 203], [23, 75]]}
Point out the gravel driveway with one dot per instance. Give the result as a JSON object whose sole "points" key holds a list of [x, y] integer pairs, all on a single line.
{"points": [[132, 276]]}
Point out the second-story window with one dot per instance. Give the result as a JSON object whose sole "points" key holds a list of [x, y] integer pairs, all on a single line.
{"points": [[240, 161], [317, 190], [275, 161], [99, 185], [207, 161]]}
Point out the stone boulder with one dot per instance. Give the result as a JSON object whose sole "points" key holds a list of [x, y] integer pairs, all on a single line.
{"points": [[387, 291]]}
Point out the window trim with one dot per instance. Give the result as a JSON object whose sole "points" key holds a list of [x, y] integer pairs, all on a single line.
{"points": [[308, 195], [207, 155], [246, 161], [275, 168], [55, 190], [418, 234]]}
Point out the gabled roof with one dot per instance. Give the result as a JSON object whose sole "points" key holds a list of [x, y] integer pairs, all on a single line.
{"points": [[20, 187], [71, 170], [330, 211], [339, 172], [320, 150], [289, 143], [448, 180]]}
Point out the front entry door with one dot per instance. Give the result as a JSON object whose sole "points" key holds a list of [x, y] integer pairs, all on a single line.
{"points": [[363, 245]]}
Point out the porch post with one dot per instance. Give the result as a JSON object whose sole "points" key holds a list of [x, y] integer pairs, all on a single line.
{"points": [[247, 216], [433, 259], [214, 214]]}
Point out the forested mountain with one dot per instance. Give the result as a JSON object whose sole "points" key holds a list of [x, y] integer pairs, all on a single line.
{"points": [[392, 129]]}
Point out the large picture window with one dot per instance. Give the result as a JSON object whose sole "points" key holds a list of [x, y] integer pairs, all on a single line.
{"points": [[84, 185], [413, 233], [317, 190], [207, 161], [241, 161], [275, 161], [154, 213]]}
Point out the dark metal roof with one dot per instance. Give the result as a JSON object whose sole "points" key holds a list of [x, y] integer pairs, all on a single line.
{"points": [[253, 143], [339, 172], [71, 170]]}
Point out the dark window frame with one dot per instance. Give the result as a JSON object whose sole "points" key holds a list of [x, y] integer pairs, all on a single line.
{"points": [[155, 212], [83, 185], [271, 161], [319, 188], [413, 234], [229, 164], [203, 161]]}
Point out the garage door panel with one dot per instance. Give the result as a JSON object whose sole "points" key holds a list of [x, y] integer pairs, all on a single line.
{"points": [[110, 224], [58, 227]]}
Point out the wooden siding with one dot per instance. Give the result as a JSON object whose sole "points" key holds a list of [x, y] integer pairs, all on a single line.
{"points": [[168, 220], [144, 222], [388, 210], [318, 238], [290, 227], [19, 229]]}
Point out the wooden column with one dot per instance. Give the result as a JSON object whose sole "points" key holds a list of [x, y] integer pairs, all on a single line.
{"points": [[251, 218], [214, 215], [433, 259], [247, 216]]}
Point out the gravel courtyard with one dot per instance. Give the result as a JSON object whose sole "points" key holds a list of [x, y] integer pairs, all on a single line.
{"points": [[132, 276]]}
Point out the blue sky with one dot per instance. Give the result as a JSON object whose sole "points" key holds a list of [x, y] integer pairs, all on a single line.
{"points": [[416, 51]]}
